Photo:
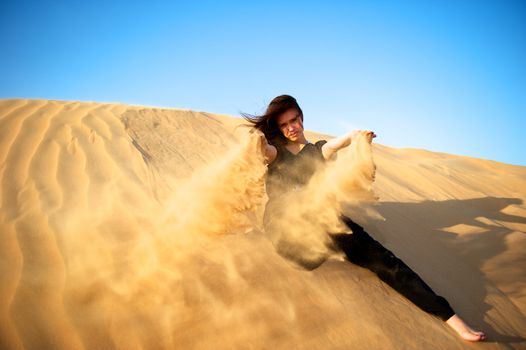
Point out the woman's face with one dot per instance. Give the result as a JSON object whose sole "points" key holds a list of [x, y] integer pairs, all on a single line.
{"points": [[291, 125]]}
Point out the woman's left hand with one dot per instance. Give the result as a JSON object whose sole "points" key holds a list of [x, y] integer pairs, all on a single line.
{"points": [[369, 135]]}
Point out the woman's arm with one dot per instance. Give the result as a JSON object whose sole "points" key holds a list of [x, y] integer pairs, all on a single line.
{"points": [[269, 152], [332, 146]]}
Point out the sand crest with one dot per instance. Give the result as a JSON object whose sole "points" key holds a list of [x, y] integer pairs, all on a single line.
{"points": [[131, 227]]}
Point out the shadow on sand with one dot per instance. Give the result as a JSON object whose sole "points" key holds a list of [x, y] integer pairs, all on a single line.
{"points": [[454, 263]]}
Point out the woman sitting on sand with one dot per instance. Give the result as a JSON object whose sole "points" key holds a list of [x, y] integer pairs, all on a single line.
{"points": [[292, 161]]}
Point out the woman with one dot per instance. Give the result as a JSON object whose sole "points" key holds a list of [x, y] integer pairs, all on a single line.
{"points": [[292, 161]]}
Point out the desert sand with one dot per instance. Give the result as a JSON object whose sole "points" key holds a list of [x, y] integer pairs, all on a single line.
{"points": [[132, 227]]}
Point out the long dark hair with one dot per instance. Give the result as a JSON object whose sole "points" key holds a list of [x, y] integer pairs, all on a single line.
{"points": [[267, 123]]}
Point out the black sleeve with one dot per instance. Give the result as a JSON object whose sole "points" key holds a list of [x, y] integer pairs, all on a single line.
{"points": [[318, 145]]}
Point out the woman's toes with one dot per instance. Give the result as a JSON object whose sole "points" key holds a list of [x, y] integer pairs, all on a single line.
{"points": [[473, 336]]}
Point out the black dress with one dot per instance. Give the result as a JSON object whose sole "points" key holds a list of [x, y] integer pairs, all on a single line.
{"points": [[291, 171]]}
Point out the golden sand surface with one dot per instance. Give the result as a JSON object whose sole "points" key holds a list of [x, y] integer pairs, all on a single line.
{"points": [[132, 227]]}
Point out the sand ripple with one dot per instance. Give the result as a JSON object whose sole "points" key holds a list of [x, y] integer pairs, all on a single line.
{"points": [[131, 227]]}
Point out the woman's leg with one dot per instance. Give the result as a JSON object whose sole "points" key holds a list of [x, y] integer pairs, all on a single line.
{"points": [[362, 250]]}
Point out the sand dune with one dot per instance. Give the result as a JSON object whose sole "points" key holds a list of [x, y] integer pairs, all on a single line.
{"points": [[132, 227]]}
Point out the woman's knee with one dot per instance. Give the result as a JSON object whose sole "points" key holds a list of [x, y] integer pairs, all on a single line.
{"points": [[390, 268]]}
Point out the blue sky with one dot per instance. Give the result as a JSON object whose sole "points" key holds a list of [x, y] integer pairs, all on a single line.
{"points": [[446, 76]]}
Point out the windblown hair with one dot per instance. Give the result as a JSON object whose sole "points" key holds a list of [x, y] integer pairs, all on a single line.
{"points": [[267, 123]]}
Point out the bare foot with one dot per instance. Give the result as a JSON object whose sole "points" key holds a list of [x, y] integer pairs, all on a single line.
{"points": [[465, 331]]}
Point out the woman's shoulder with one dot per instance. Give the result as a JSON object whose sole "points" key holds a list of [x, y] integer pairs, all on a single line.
{"points": [[319, 144], [316, 148]]}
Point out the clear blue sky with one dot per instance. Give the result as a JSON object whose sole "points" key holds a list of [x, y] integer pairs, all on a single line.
{"points": [[447, 76]]}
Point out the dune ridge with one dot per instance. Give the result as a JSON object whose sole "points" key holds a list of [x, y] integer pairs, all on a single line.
{"points": [[105, 244]]}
